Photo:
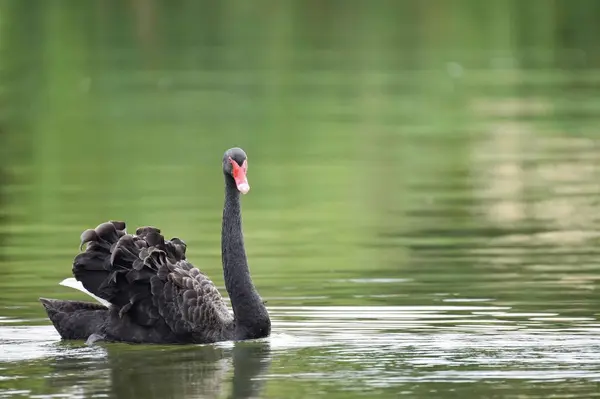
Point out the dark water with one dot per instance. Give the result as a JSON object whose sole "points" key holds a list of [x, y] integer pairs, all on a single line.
{"points": [[424, 213]]}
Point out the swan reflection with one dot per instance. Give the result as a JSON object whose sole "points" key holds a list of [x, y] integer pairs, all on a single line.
{"points": [[131, 371]]}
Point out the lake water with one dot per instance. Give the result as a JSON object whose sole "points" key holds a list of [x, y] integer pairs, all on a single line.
{"points": [[424, 213]]}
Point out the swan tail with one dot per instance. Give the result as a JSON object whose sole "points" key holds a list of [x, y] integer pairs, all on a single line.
{"points": [[74, 319]]}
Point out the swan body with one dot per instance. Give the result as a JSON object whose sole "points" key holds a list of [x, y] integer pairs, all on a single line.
{"points": [[148, 292]]}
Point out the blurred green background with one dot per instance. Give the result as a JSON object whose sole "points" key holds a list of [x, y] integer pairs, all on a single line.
{"points": [[400, 152], [370, 127]]}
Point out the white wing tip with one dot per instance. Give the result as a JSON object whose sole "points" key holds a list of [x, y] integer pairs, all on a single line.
{"points": [[71, 282]]}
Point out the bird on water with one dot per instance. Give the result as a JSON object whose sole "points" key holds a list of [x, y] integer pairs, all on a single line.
{"points": [[148, 292]]}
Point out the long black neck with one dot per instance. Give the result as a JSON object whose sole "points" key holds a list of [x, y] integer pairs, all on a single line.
{"points": [[251, 316]]}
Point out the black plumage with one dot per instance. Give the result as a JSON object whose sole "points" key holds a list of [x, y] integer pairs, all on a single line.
{"points": [[156, 295]]}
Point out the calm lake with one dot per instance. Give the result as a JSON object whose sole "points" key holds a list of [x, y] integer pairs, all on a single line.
{"points": [[424, 219]]}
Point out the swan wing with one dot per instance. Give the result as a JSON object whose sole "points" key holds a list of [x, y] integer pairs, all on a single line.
{"points": [[150, 280], [189, 301]]}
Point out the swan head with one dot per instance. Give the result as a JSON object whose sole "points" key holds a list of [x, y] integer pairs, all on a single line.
{"points": [[235, 165]]}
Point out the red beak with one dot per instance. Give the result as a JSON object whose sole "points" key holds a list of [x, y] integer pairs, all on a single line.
{"points": [[239, 175]]}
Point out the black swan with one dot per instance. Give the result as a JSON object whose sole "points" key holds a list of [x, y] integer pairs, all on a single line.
{"points": [[150, 293]]}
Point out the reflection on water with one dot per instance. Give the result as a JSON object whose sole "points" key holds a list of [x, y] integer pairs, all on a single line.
{"points": [[372, 350], [72, 370]]}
